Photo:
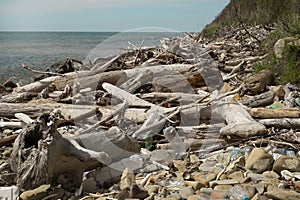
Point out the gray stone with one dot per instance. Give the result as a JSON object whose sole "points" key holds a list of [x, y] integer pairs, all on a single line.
{"points": [[127, 179], [280, 194], [287, 163], [89, 185], [280, 44], [138, 192], [262, 165], [185, 192], [152, 188], [174, 194], [256, 155], [122, 195]]}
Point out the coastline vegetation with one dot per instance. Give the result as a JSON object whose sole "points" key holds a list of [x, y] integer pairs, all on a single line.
{"points": [[282, 15]]}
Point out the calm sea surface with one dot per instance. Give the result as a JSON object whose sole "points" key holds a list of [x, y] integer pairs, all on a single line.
{"points": [[39, 50]]}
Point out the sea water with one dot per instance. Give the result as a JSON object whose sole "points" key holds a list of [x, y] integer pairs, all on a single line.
{"points": [[39, 50]]}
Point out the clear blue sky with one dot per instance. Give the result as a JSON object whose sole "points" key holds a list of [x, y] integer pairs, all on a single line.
{"points": [[107, 15]]}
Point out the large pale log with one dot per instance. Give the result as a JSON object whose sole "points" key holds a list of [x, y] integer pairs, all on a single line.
{"points": [[281, 123], [43, 156], [180, 95], [267, 113], [119, 77], [90, 79], [130, 98], [17, 97], [239, 122], [70, 112]]}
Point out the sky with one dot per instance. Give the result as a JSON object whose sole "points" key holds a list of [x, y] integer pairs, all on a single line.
{"points": [[107, 15]]}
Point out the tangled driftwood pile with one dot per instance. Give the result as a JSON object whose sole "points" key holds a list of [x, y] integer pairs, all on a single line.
{"points": [[185, 97]]}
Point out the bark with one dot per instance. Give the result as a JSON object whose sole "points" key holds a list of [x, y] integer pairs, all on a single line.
{"points": [[286, 123], [266, 113], [43, 156], [263, 99]]}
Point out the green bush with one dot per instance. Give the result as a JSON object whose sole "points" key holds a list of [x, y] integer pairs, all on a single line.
{"points": [[291, 70], [210, 30]]}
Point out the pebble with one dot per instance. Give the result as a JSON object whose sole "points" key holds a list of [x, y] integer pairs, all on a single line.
{"points": [[223, 187], [138, 192], [89, 185], [287, 163], [152, 188], [185, 192], [254, 160], [7, 132], [196, 185], [7, 152], [280, 194], [193, 197], [127, 179]]}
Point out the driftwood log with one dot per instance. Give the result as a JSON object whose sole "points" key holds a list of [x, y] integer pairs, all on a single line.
{"points": [[268, 113], [282, 123], [41, 155], [239, 122], [260, 100]]}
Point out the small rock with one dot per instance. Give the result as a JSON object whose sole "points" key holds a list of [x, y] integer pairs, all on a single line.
{"points": [[180, 165], [198, 177], [259, 197], [255, 177], [239, 176], [152, 188], [223, 187], [127, 179], [212, 184], [286, 163], [280, 194], [262, 165], [194, 159], [297, 186], [260, 187], [89, 185], [35, 194], [7, 132], [249, 190], [185, 192], [195, 184], [256, 155], [219, 195], [174, 194], [137, 192], [7, 152], [270, 178], [280, 44], [193, 197], [122, 195]]}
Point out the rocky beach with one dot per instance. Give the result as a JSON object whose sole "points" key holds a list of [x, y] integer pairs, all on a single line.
{"points": [[197, 117]]}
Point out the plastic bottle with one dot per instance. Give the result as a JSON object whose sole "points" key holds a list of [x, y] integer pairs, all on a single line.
{"points": [[238, 194]]}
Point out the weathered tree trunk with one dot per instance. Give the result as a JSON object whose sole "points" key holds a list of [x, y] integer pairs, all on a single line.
{"points": [[41, 155], [267, 113], [70, 112], [263, 99], [239, 122], [282, 123]]}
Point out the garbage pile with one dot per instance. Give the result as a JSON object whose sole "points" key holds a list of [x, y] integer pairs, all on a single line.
{"points": [[188, 119]]}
